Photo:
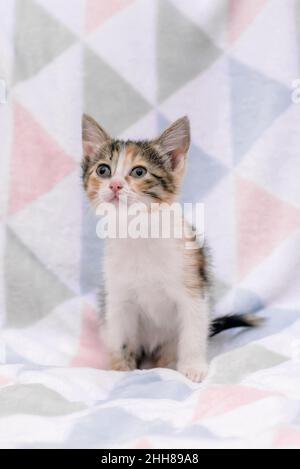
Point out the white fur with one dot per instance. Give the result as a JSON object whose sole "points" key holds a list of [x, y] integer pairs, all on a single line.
{"points": [[121, 165], [148, 304]]}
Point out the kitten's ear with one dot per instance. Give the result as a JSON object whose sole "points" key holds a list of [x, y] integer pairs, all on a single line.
{"points": [[174, 143], [93, 136]]}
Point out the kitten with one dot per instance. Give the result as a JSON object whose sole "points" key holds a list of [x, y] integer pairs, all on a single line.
{"points": [[157, 295]]}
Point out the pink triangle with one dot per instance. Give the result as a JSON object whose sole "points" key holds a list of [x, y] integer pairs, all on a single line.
{"points": [[4, 381], [144, 443], [91, 352], [38, 163], [287, 437], [264, 221], [98, 12], [241, 14], [219, 400]]}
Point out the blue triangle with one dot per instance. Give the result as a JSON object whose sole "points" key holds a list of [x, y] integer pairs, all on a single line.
{"points": [[257, 101], [246, 302], [12, 358], [203, 173], [149, 386], [203, 170], [91, 252], [296, 420]]}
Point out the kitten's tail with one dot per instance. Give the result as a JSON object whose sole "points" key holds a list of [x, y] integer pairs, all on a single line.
{"points": [[231, 322]]}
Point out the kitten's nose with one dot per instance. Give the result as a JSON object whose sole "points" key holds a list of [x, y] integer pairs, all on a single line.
{"points": [[116, 186]]}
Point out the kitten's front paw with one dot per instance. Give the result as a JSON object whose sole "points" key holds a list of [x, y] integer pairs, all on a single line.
{"points": [[196, 372], [123, 362]]}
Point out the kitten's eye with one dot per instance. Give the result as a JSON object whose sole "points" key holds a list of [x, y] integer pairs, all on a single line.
{"points": [[104, 171], [138, 172]]}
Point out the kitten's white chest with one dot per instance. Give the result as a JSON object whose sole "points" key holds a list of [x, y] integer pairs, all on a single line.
{"points": [[148, 272]]}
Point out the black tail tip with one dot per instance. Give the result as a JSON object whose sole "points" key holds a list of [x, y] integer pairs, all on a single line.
{"points": [[235, 321]]}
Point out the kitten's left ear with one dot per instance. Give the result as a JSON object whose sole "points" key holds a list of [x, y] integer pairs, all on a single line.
{"points": [[93, 136], [174, 143]]}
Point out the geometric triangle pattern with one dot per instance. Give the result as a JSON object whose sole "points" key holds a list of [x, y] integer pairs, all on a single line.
{"points": [[109, 97], [211, 110], [32, 292], [209, 15], [139, 49], [45, 102], [32, 50], [280, 58], [246, 302], [136, 66], [181, 56], [241, 14], [201, 163], [71, 15], [37, 161], [263, 161], [48, 217], [91, 352], [99, 12], [263, 223], [225, 401], [248, 88]]}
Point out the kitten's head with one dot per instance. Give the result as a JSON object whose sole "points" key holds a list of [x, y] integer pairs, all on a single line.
{"points": [[135, 171]]}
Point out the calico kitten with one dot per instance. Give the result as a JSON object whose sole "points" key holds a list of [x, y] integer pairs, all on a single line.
{"points": [[156, 291]]}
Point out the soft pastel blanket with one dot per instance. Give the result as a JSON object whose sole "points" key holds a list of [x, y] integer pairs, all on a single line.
{"points": [[136, 65]]}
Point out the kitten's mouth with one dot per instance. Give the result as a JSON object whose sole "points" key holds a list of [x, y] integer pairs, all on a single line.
{"points": [[119, 198], [113, 198]]}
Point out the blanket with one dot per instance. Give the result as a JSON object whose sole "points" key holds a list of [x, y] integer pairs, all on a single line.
{"points": [[135, 66]]}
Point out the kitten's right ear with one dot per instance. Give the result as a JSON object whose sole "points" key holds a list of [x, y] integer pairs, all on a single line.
{"points": [[93, 136]]}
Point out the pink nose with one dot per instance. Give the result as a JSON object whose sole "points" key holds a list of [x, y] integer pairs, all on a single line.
{"points": [[116, 186]]}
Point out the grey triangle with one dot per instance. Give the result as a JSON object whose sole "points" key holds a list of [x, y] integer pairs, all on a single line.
{"points": [[183, 50], [257, 101], [219, 289], [39, 39], [109, 98], [32, 292], [233, 366], [35, 399]]}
